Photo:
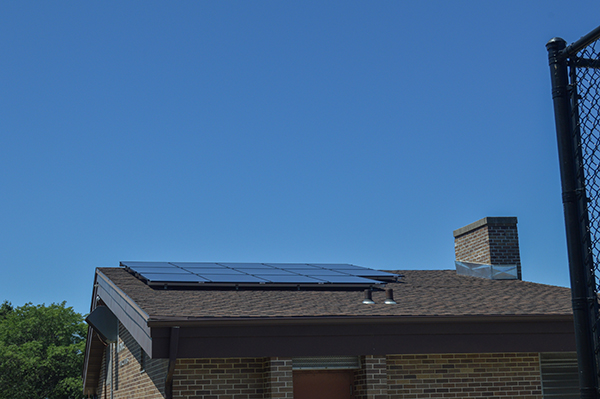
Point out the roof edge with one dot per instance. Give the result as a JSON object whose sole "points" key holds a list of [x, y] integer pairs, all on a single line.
{"points": [[128, 312], [122, 294], [170, 321]]}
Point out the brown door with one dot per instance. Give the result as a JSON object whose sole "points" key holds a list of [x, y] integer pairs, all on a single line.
{"points": [[323, 384]]}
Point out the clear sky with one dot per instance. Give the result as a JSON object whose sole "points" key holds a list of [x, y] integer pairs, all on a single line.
{"points": [[338, 131]]}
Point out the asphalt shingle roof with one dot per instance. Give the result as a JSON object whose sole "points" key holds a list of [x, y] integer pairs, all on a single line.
{"points": [[419, 293]]}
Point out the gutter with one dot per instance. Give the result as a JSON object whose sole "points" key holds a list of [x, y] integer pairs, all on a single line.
{"points": [[312, 336], [168, 321]]}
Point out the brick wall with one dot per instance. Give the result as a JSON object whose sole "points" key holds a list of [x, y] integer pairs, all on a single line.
{"points": [[474, 246], [504, 244], [239, 378], [278, 378], [498, 375], [102, 384], [370, 382], [216, 378], [478, 376], [233, 378], [128, 380]]}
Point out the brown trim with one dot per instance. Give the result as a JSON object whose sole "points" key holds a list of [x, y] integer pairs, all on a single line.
{"points": [[368, 336], [173, 352], [93, 363]]}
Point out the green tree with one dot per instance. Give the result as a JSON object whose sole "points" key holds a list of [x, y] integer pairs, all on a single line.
{"points": [[41, 352]]}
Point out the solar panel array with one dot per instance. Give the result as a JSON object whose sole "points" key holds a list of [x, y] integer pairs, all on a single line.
{"points": [[250, 274]]}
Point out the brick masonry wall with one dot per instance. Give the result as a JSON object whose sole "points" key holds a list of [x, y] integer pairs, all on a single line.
{"points": [[129, 381], [216, 378], [102, 388], [504, 245], [370, 382], [278, 378], [233, 378], [473, 246], [478, 376], [239, 378]]}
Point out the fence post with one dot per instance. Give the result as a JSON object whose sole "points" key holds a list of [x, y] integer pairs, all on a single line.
{"points": [[573, 193]]}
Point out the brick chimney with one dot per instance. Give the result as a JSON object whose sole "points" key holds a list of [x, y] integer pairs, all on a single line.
{"points": [[489, 248]]}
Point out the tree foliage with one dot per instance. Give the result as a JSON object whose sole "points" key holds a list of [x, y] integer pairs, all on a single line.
{"points": [[41, 351]]}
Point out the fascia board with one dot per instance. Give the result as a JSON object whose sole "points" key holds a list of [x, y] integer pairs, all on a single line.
{"points": [[167, 321], [133, 318], [361, 336]]}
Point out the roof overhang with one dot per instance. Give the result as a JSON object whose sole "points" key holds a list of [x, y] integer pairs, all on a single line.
{"points": [[319, 336], [363, 335], [133, 318], [127, 312]]}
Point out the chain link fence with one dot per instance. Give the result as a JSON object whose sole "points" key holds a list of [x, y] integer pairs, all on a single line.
{"points": [[585, 83], [575, 73]]}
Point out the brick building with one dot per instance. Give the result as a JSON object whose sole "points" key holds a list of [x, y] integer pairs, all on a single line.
{"points": [[475, 332]]}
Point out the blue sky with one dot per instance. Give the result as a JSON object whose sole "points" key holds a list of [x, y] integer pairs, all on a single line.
{"points": [[339, 131]]}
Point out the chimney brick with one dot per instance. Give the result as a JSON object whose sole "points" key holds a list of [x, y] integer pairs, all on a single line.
{"points": [[491, 241]]}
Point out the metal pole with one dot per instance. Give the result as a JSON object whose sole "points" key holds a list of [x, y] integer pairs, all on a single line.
{"points": [[583, 212], [572, 195], [585, 41]]}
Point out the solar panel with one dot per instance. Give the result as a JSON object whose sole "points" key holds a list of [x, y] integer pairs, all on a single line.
{"points": [[251, 274], [286, 266], [145, 269], [233, 278], [145, 264], [365, 273], [291, 279], [173, 278], [247, 265], [222, 270], [268, 272], [335, 266], [316, 272], [197, 265], [341, 279]]}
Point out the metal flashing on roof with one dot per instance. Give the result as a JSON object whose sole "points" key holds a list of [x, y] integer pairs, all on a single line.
{"points": [[492, 272], [206, 274]]}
